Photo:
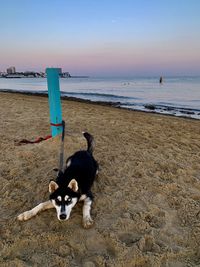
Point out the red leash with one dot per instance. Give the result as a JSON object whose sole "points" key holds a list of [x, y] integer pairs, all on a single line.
{"points": [[39, 139], [56, 124]]}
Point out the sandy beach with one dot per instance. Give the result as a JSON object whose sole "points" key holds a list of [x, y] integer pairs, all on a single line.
{"points": [[147, 194]]}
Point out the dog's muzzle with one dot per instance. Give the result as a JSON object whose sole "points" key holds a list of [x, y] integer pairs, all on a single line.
{"points": [[62, 215]]}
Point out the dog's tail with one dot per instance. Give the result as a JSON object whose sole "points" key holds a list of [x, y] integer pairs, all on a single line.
{"points": [[90, 142]]}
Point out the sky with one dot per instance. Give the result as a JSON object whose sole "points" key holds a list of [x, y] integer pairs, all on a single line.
{"points": [[101, 37]]}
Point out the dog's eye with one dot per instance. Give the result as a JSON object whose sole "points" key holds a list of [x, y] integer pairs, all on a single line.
{"points": [[68, 201], [59, 198]]}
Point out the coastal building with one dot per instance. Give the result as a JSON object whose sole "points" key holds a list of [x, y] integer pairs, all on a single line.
{"points": [[11, 70], [42, 74], [66, 75], [3, 74], [11, 73]]}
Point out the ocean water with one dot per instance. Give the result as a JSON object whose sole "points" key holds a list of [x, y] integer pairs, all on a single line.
{"points": [[179, 96]]}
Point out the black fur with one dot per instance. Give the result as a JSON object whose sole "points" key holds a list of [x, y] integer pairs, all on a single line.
{"points": [[83, 168]]}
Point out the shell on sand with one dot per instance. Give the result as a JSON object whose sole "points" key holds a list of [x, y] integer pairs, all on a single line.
{"points": [[147, 194]]}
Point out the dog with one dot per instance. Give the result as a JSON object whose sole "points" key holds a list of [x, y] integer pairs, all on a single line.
{"points": [[71, 186]]}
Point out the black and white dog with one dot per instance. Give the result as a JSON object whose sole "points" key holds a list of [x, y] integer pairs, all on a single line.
{"points": [[71, 186]]}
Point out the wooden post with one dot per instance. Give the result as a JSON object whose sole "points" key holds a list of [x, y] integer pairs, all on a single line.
{"points": [[54, 100]]}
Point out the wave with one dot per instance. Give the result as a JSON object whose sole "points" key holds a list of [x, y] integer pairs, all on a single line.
{"points": [[99, 95]]}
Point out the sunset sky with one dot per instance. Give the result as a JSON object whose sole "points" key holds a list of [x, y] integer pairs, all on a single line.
{"points": [[101, 37]]}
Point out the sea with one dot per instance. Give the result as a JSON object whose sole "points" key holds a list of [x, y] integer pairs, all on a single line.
{"points": [[178, 96]]}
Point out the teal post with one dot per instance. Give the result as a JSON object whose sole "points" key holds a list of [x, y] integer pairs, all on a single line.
{"points": [[54, 100]]}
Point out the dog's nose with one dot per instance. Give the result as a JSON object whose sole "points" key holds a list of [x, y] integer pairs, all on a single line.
{"points": [[63, 216]]}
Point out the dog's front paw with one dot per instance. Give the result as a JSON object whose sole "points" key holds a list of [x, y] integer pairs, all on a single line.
{"points": [[25, 216], [87, 222]]}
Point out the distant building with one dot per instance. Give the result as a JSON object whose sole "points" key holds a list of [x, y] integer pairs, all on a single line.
{"points": [[2, 74], [11, 70], [66, 75]]}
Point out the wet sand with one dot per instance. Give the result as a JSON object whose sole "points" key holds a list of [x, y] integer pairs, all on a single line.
{"points": [[147, 194]]}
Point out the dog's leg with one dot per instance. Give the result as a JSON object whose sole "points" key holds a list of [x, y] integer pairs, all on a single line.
{"points": [[87, 220], [31, 213]]}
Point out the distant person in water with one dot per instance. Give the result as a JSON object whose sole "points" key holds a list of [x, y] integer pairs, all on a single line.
{"points": [[161, 79]]}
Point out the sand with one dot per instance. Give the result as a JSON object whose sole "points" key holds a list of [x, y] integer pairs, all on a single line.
{"points": [[147, 194]]}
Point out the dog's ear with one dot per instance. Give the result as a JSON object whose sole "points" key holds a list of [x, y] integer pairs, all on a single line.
{"points": [[73, 185], [52, 186]]}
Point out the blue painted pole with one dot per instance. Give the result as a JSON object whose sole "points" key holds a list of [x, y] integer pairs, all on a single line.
{"points": [[54, 100]]}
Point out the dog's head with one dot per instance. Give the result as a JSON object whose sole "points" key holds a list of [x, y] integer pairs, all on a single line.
{"points": [[64, 198]]}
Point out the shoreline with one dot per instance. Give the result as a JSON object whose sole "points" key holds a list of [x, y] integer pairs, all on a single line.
{"points": [[149, 108]]}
